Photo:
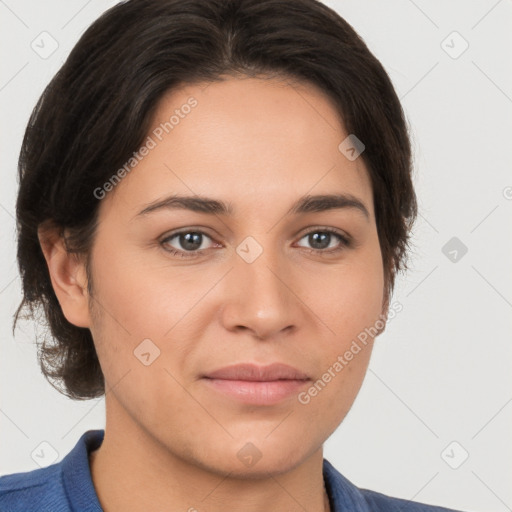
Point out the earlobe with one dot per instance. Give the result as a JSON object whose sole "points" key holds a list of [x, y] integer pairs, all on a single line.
{"points": [[67, 274]]}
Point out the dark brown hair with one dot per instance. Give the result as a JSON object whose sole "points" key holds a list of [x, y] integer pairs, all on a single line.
{"points": [[97, 110]]}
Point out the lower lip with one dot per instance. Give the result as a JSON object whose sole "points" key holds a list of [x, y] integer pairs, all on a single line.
{"points": [[257, 392]]}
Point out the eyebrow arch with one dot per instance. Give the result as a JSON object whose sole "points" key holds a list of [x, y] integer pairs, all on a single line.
{"points": [[305, 204]]}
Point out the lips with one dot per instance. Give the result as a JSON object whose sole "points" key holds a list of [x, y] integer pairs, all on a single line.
{"points": [[257, 385], [255, 373]]}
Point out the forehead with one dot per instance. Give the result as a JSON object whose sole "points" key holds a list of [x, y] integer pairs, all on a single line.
{"points": [[241, 139]]}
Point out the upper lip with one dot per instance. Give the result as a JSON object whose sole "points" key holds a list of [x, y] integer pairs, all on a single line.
{"points": [[258, 373]]}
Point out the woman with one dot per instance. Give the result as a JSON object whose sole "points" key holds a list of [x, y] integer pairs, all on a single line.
{"points": [[215, 198]]}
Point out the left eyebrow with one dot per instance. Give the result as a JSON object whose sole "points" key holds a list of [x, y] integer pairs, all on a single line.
{"points": [[305, 204], [320, 203]]}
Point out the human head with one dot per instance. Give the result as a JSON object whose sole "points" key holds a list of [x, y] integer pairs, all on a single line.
{"points": [[99, 108]]}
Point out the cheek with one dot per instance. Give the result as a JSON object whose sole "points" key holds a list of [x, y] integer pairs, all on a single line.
{"points": [[348, 299], [140, 298], [352, 312]]}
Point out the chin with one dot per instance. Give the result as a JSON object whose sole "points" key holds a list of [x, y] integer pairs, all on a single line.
{"points": [[248, 461]]}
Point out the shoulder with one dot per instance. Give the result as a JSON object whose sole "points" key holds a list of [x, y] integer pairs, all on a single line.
{"points": [[381, 502], [61, 487], [40, 489], [345, 495]]}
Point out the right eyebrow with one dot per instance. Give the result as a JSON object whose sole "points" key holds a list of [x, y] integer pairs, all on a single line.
{"points": [[194, 203]]}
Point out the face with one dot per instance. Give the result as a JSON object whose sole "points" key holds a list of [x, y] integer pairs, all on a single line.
{"points": [[257, 277]]}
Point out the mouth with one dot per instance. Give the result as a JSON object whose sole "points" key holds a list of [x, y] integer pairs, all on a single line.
{"points": [[255, 384]]}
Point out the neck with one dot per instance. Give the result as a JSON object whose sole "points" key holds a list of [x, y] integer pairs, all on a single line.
{"points": [[133, 471]]}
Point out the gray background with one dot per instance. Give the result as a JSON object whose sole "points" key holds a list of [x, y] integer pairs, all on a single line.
{"points": [[439, 382]]}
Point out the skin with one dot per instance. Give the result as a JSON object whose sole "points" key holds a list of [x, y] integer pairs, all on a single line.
{"points": [[260, 145]]}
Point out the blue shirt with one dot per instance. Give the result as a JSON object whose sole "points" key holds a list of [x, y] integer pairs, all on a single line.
{"points": [[66, 486]]}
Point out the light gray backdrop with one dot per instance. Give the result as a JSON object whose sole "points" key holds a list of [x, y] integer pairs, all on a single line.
{"points": [[433, 419]]}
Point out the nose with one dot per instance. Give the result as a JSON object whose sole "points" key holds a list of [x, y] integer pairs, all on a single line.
{"points": [[260, 296]]}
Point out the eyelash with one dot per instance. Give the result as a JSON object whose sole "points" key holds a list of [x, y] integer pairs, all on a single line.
{"points": [[345, 242]]}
